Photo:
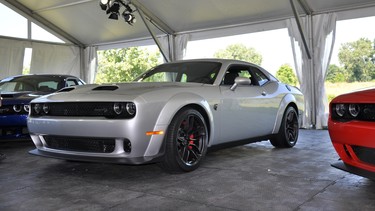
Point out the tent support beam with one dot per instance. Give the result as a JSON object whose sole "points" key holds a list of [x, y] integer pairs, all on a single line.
{"points": [[153, 35], [298, 20], [153, 18], [20, 7]]}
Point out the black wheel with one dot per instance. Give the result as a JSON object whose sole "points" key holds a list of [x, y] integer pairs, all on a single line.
{"points": [[186, 141], [288, 133]]}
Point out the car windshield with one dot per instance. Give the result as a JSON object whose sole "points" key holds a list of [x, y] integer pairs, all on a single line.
{"points": [[194, 72], [32, 83]]}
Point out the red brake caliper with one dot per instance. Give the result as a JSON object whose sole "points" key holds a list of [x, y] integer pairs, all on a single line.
{"points": [[191, 142]]}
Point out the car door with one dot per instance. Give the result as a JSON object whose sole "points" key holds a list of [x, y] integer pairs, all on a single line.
{"points": [[245, 112]]}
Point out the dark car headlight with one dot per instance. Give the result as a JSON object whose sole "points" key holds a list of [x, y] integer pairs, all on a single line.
{"points": [[344, 112], [17, 108], [340, 109], [37, 108], [26, 108], [130, 108], [354, 110]]}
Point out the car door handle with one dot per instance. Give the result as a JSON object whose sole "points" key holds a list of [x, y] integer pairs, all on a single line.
{"points": [[264, 93]]}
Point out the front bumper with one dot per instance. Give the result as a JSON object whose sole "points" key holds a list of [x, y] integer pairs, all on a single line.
{"points": [[97, 159], [13, 127], [96, 139], [354, 142]]}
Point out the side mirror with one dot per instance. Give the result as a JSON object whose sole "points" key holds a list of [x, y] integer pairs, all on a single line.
{"points": [[240, 81]]}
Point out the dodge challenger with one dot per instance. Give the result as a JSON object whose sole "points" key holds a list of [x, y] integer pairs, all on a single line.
{"points": [[171, 115], [351, 127]]}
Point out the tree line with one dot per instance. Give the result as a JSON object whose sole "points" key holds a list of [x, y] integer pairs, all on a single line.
{"points": [[357, 62]]}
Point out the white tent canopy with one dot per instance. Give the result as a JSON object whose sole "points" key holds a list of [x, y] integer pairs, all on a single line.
{"points": [[86, 28]]}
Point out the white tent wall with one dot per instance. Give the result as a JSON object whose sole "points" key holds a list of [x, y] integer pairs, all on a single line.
{"points": [[320, 30], [324, 33], [55, 59], [11, 57], [90, 64]]}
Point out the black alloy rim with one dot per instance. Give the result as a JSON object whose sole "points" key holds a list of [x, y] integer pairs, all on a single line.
{"points": [[191, 138], [291, 127]]}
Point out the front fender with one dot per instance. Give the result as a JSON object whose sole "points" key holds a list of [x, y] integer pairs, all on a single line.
{"points": [[170, 109]]}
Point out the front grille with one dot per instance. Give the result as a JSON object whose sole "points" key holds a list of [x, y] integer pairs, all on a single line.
{"points": [[81, 109], [80, 144], [365, 154]]}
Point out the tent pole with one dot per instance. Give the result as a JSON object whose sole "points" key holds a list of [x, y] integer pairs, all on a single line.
{"points": [[296, 15], [153, 36]]}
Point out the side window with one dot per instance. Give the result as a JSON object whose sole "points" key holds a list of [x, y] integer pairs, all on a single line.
{"points": [[71, 82], [259, 76], [47, 86], [236, 71]]}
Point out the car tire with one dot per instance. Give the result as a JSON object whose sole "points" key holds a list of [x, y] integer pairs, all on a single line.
{"points": [[288, 133], [186, 141]]}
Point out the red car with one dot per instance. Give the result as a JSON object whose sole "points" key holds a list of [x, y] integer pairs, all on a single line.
{"points": [[351, 127]]}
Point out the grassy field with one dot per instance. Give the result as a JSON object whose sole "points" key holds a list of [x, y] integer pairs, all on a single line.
{"points": [[335, 89]]}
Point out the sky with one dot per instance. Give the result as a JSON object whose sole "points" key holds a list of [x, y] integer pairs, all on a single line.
{"points": [[274, 46]]}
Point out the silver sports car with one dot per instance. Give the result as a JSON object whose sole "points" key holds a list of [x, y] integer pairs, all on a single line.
{"points": [[171, 114]]}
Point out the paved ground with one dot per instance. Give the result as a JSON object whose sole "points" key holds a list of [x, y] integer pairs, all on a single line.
{"points": [[251, 177]]}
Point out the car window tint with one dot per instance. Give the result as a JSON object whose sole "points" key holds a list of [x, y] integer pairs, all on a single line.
{"points": [[8, 86], [260, 76], [193, 72], [47, 86]]}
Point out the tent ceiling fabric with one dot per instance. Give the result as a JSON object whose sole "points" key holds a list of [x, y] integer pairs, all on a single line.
{"points": [[87, 23]]}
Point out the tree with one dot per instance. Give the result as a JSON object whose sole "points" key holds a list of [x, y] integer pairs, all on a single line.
{"points": [[121, 65], [357, 59], [240, 52], [286, 75], [336, 74]]}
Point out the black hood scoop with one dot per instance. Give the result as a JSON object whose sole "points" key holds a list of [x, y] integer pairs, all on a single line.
{"points": [[105, 88]]}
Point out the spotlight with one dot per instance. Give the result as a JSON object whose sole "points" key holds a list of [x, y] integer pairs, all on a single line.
{"points": [[128, 17], [103, 4], [113, 16], [113, 7]]}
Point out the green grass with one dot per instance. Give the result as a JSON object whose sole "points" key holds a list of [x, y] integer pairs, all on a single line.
{"points": [[336, 89]]}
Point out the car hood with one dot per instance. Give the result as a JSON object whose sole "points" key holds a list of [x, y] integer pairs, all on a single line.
{"points": [[120, 91], [363, 96], [19, 97]]}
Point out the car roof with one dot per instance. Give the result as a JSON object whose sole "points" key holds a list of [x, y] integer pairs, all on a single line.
{"points": [[36, 75]]}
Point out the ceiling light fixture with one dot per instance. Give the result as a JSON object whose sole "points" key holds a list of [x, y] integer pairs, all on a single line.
{"points": [[112, 7]]}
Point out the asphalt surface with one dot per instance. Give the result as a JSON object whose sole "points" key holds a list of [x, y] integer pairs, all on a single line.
{"points": [[250, 177]]}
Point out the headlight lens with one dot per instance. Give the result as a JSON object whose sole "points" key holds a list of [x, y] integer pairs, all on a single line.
{"points": [[17, 108], [130, 108], [26, 108], [37, 108], [46, 108], [118, 108], [340, 109], [354, 110]]}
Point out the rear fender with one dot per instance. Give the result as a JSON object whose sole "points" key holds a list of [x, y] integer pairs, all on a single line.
{"points": [[287, 99]]}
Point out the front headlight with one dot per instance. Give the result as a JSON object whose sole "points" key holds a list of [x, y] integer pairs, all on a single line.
{"points": [[130, 108], [37, 108], [118, 108], [340, 109], [354, 110], [26, 108], [17, 108], [46, 108]]}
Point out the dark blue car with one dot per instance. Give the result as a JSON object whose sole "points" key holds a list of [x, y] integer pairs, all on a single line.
{"points": [[15, 95]]}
